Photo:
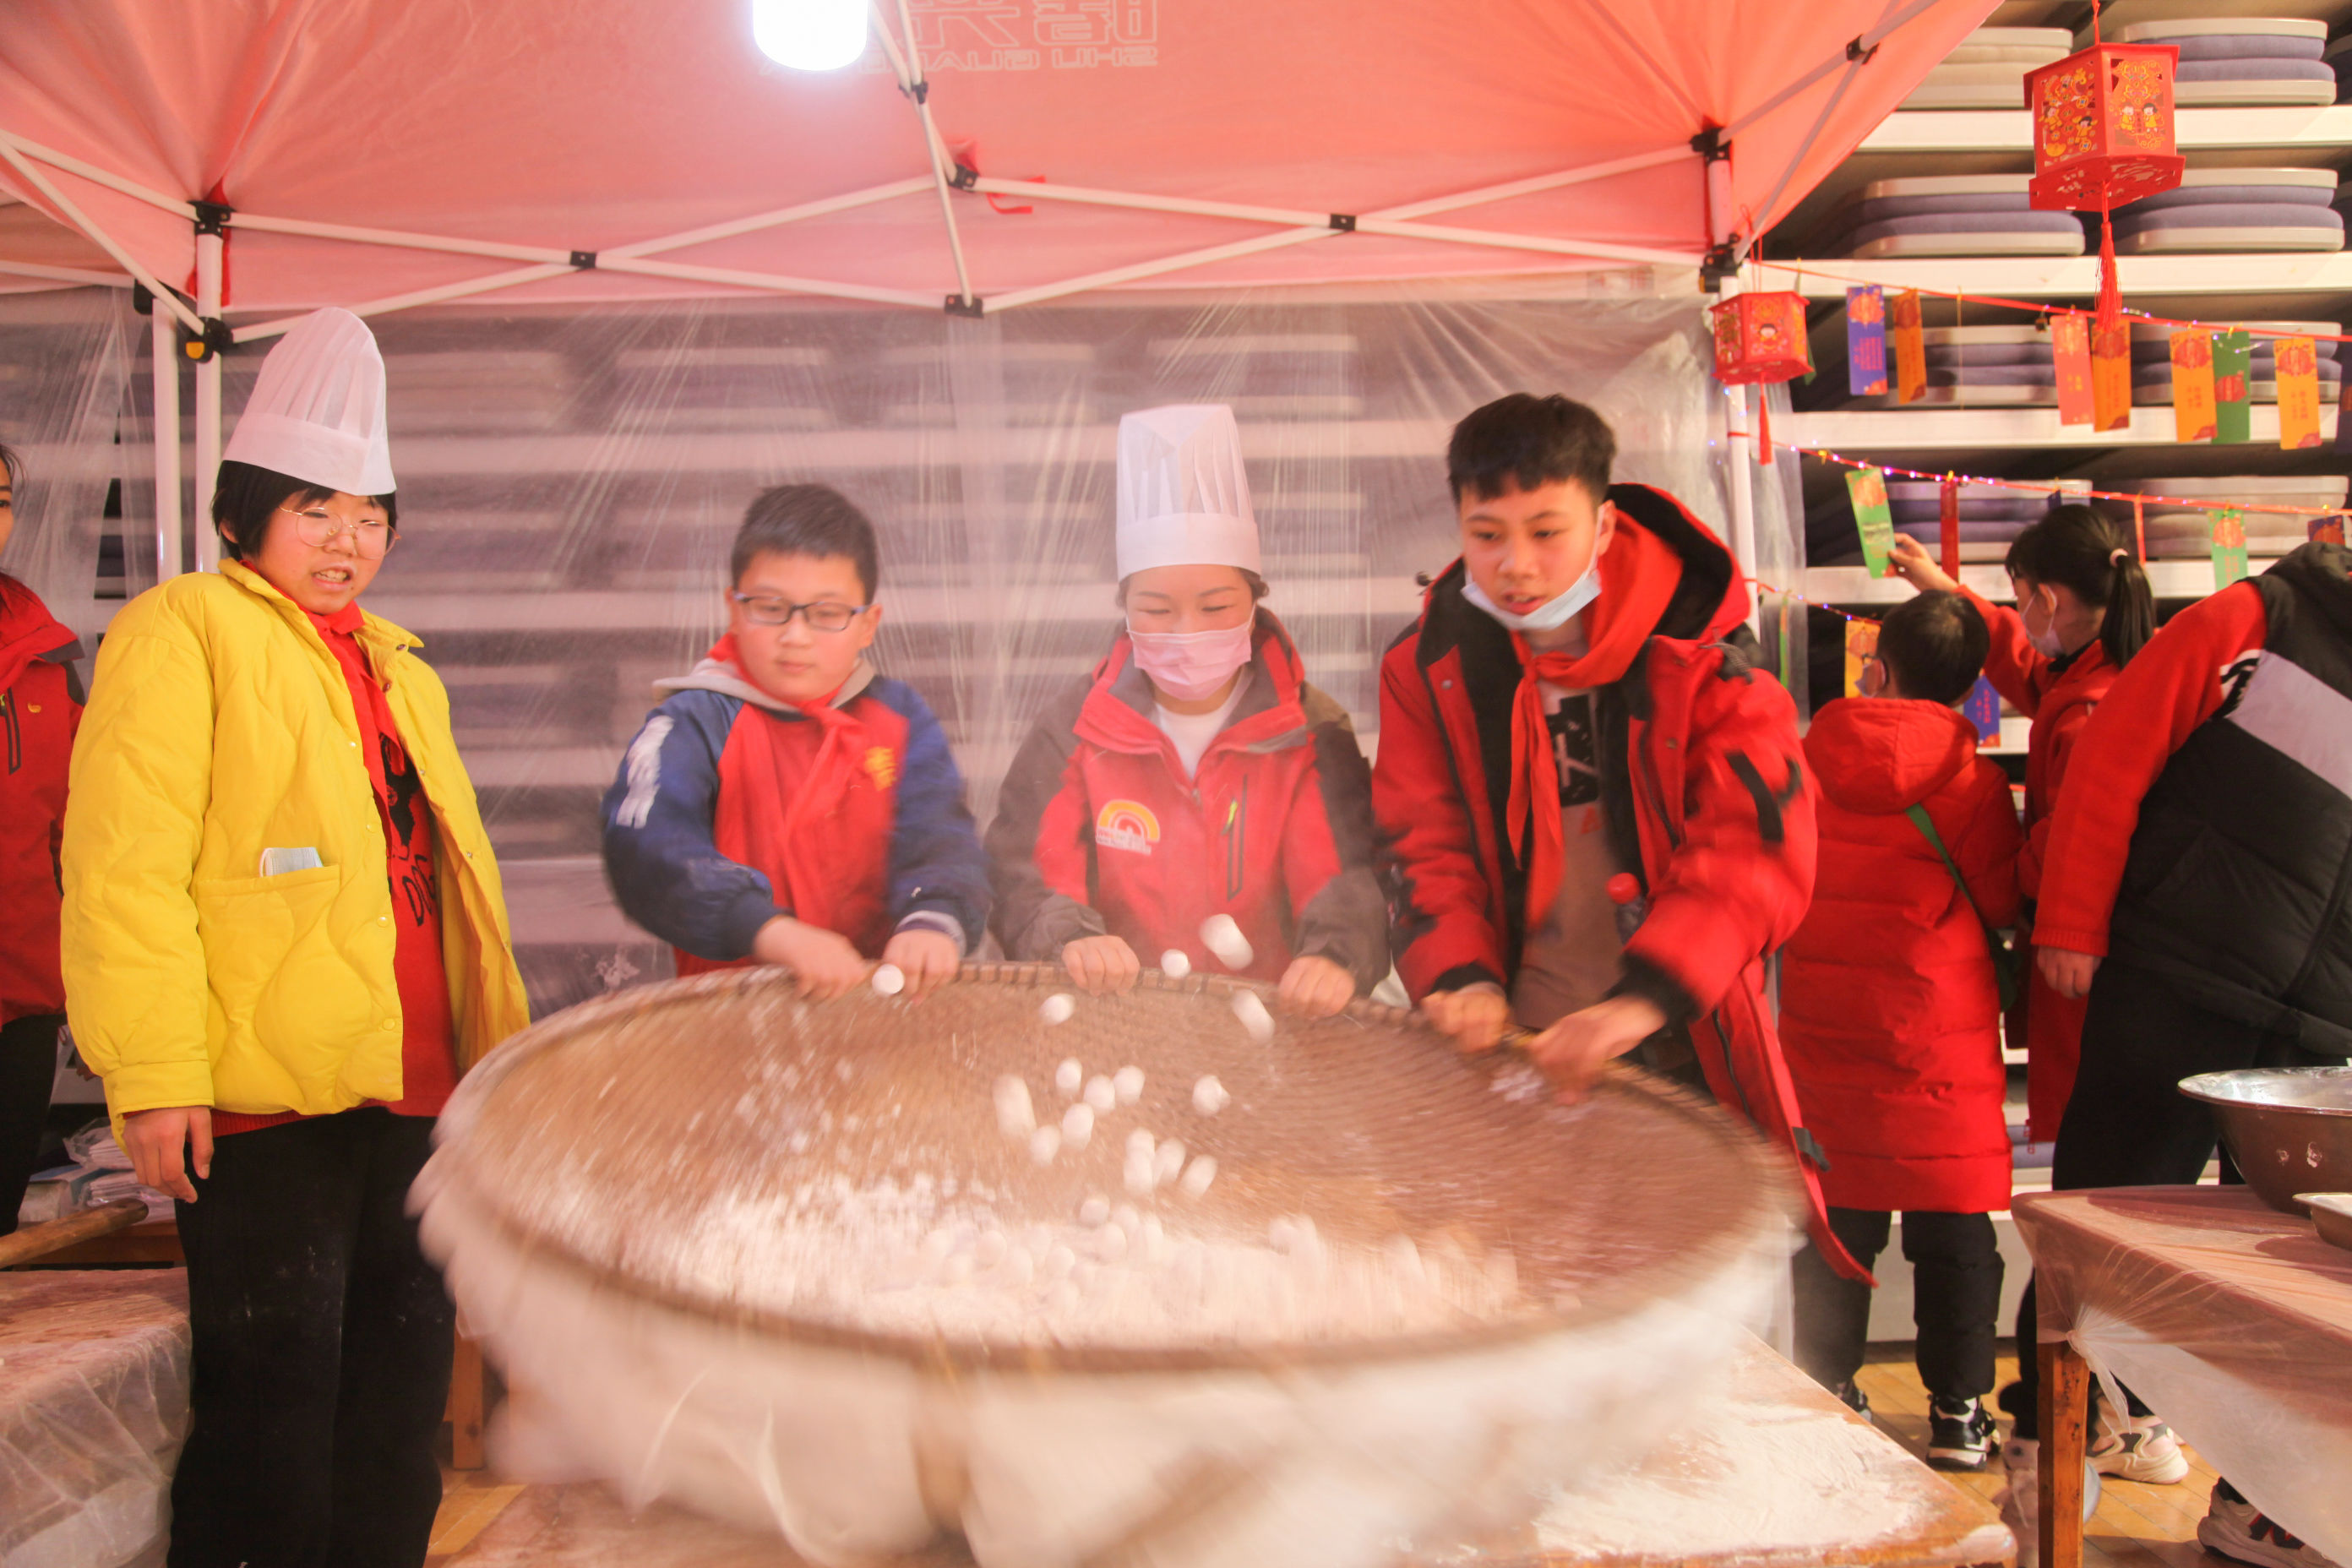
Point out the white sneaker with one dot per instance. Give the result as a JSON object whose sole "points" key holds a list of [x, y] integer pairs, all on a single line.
{"points": [[2137, 1448], [2231, 1528], [2021, 1499]]}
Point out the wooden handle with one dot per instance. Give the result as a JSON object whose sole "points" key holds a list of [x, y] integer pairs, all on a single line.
{"points": [[56, 1235]]}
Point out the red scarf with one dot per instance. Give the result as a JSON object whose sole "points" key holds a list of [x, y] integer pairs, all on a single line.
{"points": [[1638, 576]]}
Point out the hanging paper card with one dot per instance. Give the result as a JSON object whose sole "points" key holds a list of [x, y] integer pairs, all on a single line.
{"points": [[2327, 530], [2233, 361], [1872, 518], [2111, 377], [2070, 350], [1982, 707], [2229, 547], [1910, 346], [2192, 385], [2298, 393], [1861, 647], [1948, 497], [1866, 342]]}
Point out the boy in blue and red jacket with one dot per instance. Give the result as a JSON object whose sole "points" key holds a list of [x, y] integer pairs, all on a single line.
{"points": [[789, 804]]}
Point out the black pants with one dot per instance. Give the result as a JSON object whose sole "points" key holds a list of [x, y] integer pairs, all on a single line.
{"points": [[1955, 1299], [323, 1343], [2128, 1124], [28, 1065]]}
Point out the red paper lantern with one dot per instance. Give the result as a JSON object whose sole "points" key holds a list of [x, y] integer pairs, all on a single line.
{"points": [[2103, 132], [1760, 337]]}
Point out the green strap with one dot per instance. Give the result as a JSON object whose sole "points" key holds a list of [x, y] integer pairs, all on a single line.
{"points": [[1924, 824]]}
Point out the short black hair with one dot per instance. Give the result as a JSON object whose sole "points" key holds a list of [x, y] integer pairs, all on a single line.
{"points": [[1934, 647], [12, 467], [1250, 580], [806, 519], [1522, 441], [245, 495]]}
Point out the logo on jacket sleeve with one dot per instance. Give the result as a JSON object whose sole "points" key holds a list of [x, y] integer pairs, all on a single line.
{"points": [[882, 766], [1127, 825]]}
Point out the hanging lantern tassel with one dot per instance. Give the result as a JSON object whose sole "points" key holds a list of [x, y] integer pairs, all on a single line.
{"points": [[1948, 497], [1763, 427], [2111, 292], [2139, 529]]}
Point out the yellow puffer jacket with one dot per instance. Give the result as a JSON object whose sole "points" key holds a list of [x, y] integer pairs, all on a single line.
{"points": [[219, 725]]}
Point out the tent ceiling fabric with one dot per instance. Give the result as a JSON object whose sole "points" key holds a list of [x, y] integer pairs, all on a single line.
{"points": [[589, 126]]}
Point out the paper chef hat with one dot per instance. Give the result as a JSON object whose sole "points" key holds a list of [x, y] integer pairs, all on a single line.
{"points": [[1183, 499], [317, 409]]}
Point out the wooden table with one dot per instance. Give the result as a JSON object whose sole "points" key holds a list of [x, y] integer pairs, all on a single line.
{"points": [[1785, 1476], [2231, 1320]]}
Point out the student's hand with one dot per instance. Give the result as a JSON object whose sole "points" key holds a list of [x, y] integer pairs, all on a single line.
{"points": [[1573, 1051], [822, 961], [2069, 973], [927, 958], [1315, 987], [1916, 567], [1475, 1016], [1102, 963], [157, 1142]]}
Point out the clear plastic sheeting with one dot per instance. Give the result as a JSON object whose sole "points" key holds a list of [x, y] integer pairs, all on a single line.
{"points": [[65, 363], [93, 1409], [570, 478], [2231, 1320]]}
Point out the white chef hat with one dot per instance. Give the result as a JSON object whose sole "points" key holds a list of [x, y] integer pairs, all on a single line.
{"points": [[1183, 499], [317, 409]]}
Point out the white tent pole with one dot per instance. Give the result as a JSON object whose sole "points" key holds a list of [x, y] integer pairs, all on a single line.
{"points": [[65, 274], [770, 281], [1866, 43], [1599, 249], [910, 68], [104, 241], [208, 403], [1541, 182], [167, 448], [401, 240], [729, 230], [1117, 274], [97, 176], [520, 275]]}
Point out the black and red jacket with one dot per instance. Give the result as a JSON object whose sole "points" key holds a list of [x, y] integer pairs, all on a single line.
{"points": [[40, 709], [1704, 793], [1098, 831]]}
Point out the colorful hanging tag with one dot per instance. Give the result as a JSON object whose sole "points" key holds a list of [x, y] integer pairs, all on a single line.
{"points": [[2327, 530], [1861, 647], [2192, 384], [1872, 518], [2111, 377], [2229, 547], [1866, 342], [2296, 365], [2233, 409], [1910, 347], [1982, 707], [1947, 512], [2070, 350]]}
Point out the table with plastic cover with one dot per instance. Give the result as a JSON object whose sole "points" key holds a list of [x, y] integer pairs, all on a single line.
{"points": [[2233, 1320], [1780, 1476]]}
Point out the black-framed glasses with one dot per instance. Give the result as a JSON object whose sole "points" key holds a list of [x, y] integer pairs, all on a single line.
{"points": [[318, 527], [825, 616]]}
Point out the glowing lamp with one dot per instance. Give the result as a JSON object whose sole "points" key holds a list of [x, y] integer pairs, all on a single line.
{"points": [[2103, 128], [809, 35], [1760, 337]]}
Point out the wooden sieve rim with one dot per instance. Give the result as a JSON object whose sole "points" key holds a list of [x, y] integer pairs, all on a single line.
{"points": [[1768, 1187]]}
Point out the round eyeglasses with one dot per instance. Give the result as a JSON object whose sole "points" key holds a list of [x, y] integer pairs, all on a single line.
{"points": [[318, 528]]}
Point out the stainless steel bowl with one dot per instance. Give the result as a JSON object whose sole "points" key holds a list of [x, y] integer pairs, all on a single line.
{"points": [[2289, 1129]]}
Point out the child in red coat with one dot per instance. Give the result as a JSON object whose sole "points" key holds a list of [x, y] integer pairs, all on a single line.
{"points": [[1890, 1016]]}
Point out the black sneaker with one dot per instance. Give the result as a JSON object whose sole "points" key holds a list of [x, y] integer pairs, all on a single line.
{"points": [[1850, 1392], [1960, 1436]]}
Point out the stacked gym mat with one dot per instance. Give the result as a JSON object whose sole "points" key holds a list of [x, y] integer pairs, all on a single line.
{"points": [[2235, 210], [1988, 70], [2242, 60], [1946, 215]]}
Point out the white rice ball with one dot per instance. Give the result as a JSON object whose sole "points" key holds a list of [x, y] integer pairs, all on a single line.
{"points": [[1199, 1174], [1057, 1009], [889, 980], [1209, 1096], [1128, 1084], [1141, 1174], [1018, 1268], [1095, 1211], [1140, 1143], [1078, 1125], [1255, 1019], [1045, 1143], [1015, 1117], [1101, 1095], [1069, 1077], [1174, 965], [1168, 1161], [1111, 1244], [1222, 936]]}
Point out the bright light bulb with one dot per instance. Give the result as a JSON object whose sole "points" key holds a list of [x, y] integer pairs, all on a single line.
{"points": [[809, 35]]}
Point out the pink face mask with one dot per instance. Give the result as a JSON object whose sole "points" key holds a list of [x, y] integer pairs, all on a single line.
{"points": [[1189, 666]]}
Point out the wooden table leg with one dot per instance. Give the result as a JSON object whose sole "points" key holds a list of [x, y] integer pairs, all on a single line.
{"points": [[2065, 1417], [464, 1412]]}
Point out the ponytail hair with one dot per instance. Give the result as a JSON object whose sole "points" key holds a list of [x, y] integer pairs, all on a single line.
{"points": [[2076, 548]]}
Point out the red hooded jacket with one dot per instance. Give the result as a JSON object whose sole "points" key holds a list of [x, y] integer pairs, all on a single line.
{"points": [[2059, 695], [41, 710], [1703, 792], [1889, 1011]]}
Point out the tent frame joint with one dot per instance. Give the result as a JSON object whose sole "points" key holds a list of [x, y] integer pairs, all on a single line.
{"points": [[1344, 223], [584, 260], [216, 340], [1709, 144], [1720, 262], [971, 305], [213, 217], [1859, 56], [965, 178]]}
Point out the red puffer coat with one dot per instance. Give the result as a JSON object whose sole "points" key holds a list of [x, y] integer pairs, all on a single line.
{"points": [[1889, 1012], [40, 709]]}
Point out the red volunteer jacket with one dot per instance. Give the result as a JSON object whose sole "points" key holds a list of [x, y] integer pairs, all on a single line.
{"points": [[2059, 695], [40, 709], [1703, 791], [1889, 1011], [1098, 831]]}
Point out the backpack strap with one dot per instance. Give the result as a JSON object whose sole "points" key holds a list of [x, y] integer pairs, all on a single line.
{"points": [[2006, 961]]}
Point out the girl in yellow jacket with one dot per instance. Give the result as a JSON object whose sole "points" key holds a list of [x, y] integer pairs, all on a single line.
{"points": [[283, 940]]}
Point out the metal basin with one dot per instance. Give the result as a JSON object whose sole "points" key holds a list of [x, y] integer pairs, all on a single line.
{"points": [[2289, 1129]]}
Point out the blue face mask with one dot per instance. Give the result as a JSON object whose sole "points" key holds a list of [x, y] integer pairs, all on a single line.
{"points": [[1553, 613]]}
